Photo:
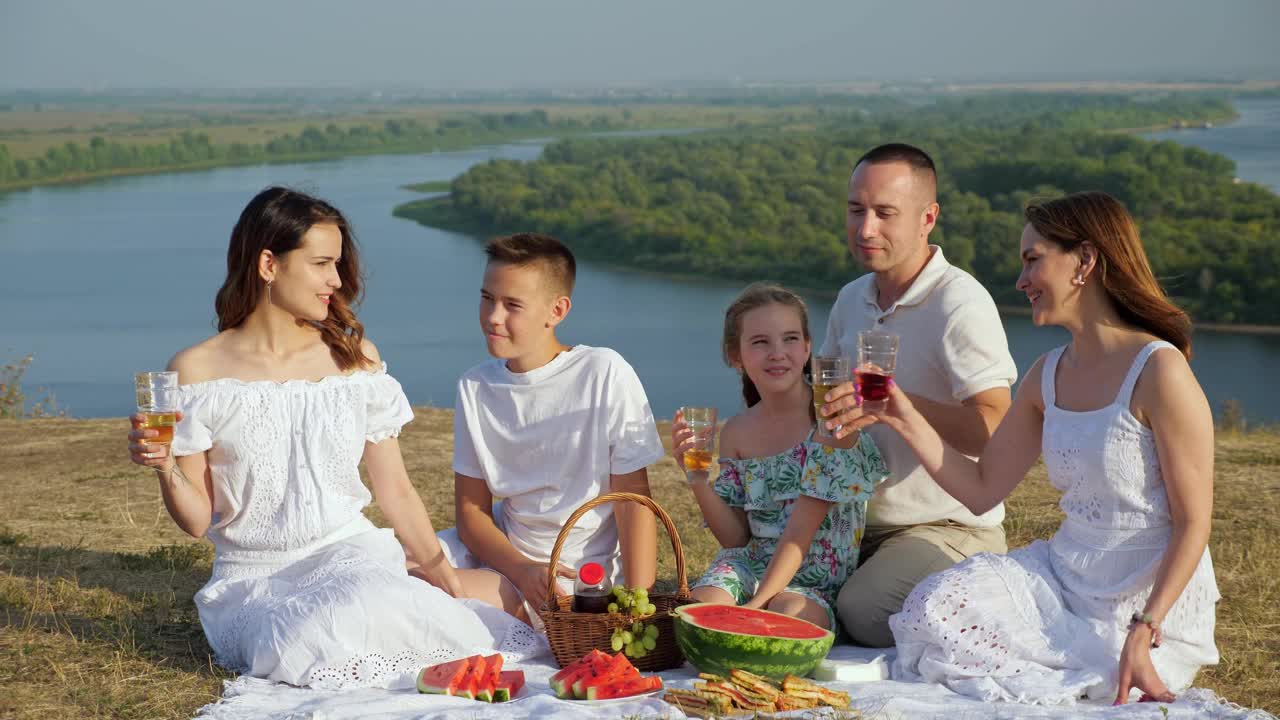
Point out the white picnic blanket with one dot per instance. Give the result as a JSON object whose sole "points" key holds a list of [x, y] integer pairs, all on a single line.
{"points": [[251, 699]]}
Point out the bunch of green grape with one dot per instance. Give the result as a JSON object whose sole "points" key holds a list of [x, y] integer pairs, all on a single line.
{"points": [[636, 641]]}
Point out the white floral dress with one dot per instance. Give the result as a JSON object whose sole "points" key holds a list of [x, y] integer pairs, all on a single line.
{"points": [[1046, 623], [304, 589], [767, 489]]}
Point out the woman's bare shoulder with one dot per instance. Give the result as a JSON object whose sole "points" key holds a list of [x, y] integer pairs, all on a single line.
{"points": [[1168, 385], [201, 361], [1031, 383], [370, 351]]}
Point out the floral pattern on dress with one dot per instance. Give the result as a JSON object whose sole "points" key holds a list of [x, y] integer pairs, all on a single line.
{"points": [[767, 489]]}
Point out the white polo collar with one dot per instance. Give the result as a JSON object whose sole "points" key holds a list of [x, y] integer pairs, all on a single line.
{"points": [[920, 287]]}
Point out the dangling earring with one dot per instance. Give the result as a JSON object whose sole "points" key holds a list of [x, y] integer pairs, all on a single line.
{"points": [[1079, 279], [269, 291]]}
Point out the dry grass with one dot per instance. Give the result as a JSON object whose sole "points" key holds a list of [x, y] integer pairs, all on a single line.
{"points": [[96, 583]]}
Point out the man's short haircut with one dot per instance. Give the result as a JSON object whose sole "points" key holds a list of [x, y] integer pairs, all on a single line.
{"points": [[917, 159], [553, 259]]}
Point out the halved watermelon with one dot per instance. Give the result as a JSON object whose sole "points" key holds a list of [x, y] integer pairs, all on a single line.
{"points": [[718, 638], [508, 685], [562, 682], [443, 678], [618, 669], [485, 685], [624, 688]]}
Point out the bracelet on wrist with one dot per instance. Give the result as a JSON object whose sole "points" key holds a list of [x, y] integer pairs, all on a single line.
{"points": [[1143, 618]]}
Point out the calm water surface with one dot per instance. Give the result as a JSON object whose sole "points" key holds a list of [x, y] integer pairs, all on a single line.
{"points": [[110, 277]]}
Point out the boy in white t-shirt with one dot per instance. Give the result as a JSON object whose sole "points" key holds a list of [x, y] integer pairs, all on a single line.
{"points": [[546, 427]]}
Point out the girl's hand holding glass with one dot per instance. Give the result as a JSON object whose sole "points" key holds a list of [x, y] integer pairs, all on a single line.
{"points": [[693, 442]]}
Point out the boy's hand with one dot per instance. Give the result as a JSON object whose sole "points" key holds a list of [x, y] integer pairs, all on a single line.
{"points": [[531, 581]]}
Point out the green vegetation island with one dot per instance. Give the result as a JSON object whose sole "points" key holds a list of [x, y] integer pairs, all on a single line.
{"points": [[755, 205]]}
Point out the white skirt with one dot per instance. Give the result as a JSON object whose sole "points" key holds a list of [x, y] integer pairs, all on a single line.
{"points": [[1045, 624], [345, 613]]}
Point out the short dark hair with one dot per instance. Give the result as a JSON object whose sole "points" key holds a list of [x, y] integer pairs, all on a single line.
{"points": [[917, 159], [900, 153], [553, 258]]}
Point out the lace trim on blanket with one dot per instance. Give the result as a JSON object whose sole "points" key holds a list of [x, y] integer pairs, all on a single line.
{"points": [[377, 670], [1210, 704]]}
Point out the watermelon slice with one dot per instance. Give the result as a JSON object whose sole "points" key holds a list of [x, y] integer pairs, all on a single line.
{"points": [[443, 678], [617, 668], [562, 682], [719, 638], [624, 688], [469, 685], [577, 665], [486, 684], [508, 685]]}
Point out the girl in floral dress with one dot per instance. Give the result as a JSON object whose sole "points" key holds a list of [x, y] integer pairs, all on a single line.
{"points": [[789, 510]]}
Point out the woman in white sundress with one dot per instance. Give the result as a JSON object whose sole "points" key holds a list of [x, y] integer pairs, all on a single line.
{"points": [[278, 410], [1123, 596]]}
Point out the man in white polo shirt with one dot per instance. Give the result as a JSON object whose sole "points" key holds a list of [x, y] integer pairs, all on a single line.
{"points": [[954, 363]]}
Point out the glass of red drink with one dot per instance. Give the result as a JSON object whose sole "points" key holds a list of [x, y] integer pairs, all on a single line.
{"points": [[877, 357]]}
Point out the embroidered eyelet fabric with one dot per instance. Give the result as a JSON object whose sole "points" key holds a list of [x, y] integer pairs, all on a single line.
{"points": [[1045, 624]]}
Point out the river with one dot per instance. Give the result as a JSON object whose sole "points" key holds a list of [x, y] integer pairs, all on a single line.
{"points": [[110, 277]]}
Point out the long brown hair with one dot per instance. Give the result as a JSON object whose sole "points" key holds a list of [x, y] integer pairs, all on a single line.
{"points": [[758, 295], [1125, 272], [276, 219]]}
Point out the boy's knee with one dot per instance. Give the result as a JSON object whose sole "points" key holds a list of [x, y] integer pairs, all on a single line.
{"points": [[864, 612]]}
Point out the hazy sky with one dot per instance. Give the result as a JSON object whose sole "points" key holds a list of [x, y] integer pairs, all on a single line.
{"points": [[560, 43]]}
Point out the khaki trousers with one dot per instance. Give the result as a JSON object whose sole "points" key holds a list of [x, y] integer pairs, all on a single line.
{"points": [[893, 561]]}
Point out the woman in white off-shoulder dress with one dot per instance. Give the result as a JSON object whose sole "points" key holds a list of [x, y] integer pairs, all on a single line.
{"points": [[1123, 596], [278, 410]]}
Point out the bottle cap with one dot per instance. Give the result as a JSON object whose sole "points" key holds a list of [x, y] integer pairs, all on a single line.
{"points": [[591, 573]]}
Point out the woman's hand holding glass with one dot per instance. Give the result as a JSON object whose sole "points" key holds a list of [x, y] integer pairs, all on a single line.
{"points": [[144, 448], [157, 402]]}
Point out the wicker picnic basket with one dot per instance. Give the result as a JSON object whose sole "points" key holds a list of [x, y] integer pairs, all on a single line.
{"points": [[574, 634]]}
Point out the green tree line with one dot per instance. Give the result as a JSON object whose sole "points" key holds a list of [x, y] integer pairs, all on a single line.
{"points": [[771, 206], [102, 156]]}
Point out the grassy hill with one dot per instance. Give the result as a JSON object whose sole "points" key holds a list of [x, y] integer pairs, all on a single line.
{"points": [[96, 582]]}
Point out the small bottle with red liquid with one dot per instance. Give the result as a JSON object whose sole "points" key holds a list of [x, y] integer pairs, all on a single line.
{"points": [[592, 590]]}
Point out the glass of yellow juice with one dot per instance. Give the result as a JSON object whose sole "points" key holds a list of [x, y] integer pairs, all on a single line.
{"points": [[699, 458], [157, 400]]}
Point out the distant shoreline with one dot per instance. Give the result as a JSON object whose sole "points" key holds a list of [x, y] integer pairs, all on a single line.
{"points": [[437, 145], [1225, 328]]}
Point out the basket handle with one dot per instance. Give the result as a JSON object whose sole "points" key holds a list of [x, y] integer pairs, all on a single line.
{"points": [[676, 548]]}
